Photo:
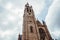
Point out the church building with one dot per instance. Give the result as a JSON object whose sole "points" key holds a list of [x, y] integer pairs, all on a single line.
{"points": [[33, 29]]}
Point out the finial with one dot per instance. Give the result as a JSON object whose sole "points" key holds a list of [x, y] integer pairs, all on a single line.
{"points": [[19, 34], [19, 37], [43, 21], [27, 4]]}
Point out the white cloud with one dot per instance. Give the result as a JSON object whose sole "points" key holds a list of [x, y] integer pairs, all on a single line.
{"points": [[56, 34], [8, 32], [9, 6], [5, 23], [53, 18], [11, 18], [0, 0]]}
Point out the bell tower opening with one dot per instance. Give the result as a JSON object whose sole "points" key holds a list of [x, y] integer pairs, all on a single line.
{"points": [[27, 10], [31, 29], [42, 34]]}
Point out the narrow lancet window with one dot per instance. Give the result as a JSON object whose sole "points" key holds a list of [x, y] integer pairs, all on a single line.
{"points": [[30, 10], [27, 9], [31, 29]]}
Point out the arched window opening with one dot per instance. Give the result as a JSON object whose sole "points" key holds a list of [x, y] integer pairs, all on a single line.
{"points": [[31, 29], [30, 21], [42, 34], [30, 10], [27, 10], [29, 13]]}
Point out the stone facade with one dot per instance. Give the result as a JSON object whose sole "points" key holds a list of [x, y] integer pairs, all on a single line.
{"points": [[33, 29]]}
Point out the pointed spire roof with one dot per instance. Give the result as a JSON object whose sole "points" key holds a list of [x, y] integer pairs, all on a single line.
{"points": [[43, 21], [27, 4], [19, 37], [44, 24]]}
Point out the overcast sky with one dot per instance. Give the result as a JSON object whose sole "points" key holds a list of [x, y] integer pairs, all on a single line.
{"points": [[11, 16]]}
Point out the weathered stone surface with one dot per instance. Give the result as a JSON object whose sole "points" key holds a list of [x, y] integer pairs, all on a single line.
{"points": [[32, 28]]}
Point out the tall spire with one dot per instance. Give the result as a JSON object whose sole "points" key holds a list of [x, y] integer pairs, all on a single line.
{"points": [[44, 24], [43, 21], [19, 37]]}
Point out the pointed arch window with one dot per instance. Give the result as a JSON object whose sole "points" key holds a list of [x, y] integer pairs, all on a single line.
{"points": [[30, 10], [27, 9], [42, 34], [31, 29]]}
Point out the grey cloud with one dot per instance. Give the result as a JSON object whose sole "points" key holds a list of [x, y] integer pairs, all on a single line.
{"points": [[12, 37], [44, 11], [53, 18], [11, 25], [1, 9]]}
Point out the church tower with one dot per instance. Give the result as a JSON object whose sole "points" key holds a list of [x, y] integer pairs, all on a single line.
{"points": [[32, 28], [29, 24]]}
